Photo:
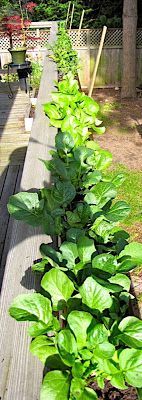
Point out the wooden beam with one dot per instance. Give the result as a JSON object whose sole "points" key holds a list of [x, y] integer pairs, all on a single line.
{"points": [[97, 60], [71, 17], [68, 13]]}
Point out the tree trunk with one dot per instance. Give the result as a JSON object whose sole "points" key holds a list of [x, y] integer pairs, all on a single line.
{"points": [[129, 48]]}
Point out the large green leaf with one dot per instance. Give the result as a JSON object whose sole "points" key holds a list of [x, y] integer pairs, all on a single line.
{"points": [[64, 193], [118, 211], [64, 141], [100, 194], [134, 250], [67, 346], [38, 328], [69, 124], [130, 361], [69, 253], [94, 295], [102, 228], [77, 388], [31, 307], [81, 153], [131, 328], [43, 348], [27, 207], [99, 129], [85, 248], [79, 322], [74, 234], [90, 106], [55, 386], [91, 178], [118, 381], [122, 280], [52, 111], [89, 394], [58, 285], [105, 262], [49, 252], [104, 350], [97, 333], [103, 159]]}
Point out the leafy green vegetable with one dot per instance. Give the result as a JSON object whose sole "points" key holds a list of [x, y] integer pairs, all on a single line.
{"points": [[131, 328], [59, 286], [42, 348], [67, 346], [79, 322], [55, 386], [94, 295], [130, 361], [31, 307]]}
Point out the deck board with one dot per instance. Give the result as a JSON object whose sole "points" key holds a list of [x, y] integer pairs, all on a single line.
{"points": [[12, 138], [6, 224], [19, 367]]}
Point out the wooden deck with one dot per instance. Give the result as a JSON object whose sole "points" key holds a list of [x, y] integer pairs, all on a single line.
{"points": [[13, 147], [13, 139], [18, 367]]}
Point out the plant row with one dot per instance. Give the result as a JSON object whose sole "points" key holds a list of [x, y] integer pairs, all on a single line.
{"points": [[63, 53], [79, 321]]}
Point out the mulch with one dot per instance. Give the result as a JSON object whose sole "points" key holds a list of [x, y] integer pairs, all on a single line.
{"points": [[111, 393]]}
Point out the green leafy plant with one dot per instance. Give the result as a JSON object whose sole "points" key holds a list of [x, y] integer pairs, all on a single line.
{"points": [[80, 322], [63, 53], [37, 69]]}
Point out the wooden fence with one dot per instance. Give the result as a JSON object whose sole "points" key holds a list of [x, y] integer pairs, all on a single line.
{"points": [[110, 68]]}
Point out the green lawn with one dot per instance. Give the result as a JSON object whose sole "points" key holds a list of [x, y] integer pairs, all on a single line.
{"points": [[130, 191]]}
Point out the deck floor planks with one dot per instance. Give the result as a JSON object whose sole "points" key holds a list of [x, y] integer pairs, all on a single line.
{"points": [[12, 113], [13, 146], [7, 227], [19, 367]]}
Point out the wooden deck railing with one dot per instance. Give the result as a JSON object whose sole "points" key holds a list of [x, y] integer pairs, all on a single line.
{"points": [[21, 373]]}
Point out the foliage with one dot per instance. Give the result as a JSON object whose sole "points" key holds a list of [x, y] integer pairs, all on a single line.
{"points": [[96, 15], [84, 282], [63, 54], [17, 24], [37, 69]]}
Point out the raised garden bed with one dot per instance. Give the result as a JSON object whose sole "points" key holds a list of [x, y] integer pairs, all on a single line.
{"points": [[81, 325]]}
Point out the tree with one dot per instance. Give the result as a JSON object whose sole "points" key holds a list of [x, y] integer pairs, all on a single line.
{"points": [[129, 48]]}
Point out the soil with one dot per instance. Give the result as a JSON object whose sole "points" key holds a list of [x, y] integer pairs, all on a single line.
{"points": [[123, 123], [123, 136], [111, 393]]}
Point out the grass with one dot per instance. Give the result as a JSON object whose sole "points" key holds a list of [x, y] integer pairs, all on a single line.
{"points": [[130, 191], [106, 112]]}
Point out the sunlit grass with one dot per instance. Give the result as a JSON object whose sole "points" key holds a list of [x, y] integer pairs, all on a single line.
{"points": [[131, 192]]}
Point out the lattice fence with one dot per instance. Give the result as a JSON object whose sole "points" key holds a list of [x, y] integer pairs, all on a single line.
{"points": [[91, 38], [36, 37]]}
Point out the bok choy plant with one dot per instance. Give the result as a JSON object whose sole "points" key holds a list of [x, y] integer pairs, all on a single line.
{"points": [[63, 54], [80, 323]]}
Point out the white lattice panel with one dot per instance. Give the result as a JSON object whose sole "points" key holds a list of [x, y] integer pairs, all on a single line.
{"points": [[80, 41], [139, 38], [88, 37], [92, 37], [4, 42], [34, 38]]}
